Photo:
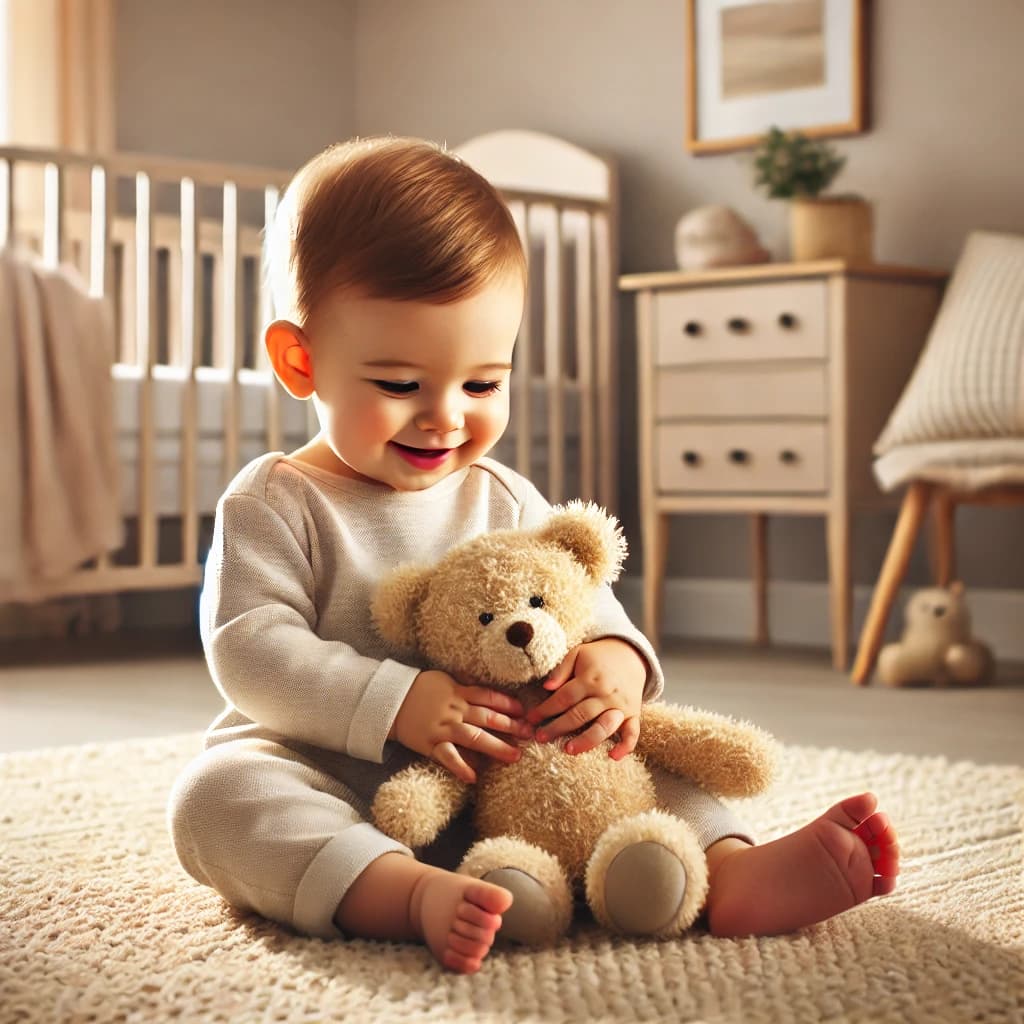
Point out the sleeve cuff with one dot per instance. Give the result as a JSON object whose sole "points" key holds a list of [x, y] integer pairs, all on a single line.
{"points": [[383, 696]]}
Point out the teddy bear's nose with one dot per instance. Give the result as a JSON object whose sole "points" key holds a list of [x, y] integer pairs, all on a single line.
{"points": [[938, 611], [519, 634]]}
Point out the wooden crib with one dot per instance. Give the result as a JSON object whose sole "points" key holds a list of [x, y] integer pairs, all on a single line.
{"points": [[177, 247]]}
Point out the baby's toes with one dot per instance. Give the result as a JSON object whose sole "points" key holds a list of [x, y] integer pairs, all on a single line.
{"points": [[474, 932], [879, 836], [473, 949]]}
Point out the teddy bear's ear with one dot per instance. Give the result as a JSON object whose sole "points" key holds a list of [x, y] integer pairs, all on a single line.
{"points": [[592, 536], [395, 602]]}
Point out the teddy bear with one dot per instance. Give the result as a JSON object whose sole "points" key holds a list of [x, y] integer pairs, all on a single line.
{"points": [[936, 645], [503, 610]]}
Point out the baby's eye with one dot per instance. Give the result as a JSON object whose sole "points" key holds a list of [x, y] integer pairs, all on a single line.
{"points": [[396, 387], [536, 601], [486, 618], [481, 387]]}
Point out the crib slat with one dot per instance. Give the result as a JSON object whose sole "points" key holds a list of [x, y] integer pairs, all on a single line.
{"points": [[191, 326], [553, 362], [585, 354], [53, 214], [263, 320], [231, 329], [605, 382], [522, 359], [6, 202], [145, 352], [100, 217]]}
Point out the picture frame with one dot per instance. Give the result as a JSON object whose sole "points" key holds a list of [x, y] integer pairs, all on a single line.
{"points": [[751, 64]]}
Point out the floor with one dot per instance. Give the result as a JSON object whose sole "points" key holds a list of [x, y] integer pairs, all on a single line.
{"points": [[149, 686]]}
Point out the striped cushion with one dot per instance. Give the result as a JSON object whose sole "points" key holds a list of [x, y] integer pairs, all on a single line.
{"points": [[969, 382]]}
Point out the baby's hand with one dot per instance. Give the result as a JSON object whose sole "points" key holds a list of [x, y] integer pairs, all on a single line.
{"points": [[600, 683], [440, 715]]}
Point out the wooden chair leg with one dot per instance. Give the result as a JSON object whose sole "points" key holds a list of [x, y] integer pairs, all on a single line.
{"points": [[759, 552], [943, 537], [894, 568]]}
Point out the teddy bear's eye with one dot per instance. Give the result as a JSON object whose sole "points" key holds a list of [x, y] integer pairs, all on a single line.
{"points": [[486, 618], [536, 601]]}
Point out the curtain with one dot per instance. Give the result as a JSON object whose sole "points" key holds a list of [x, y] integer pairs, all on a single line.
{"points": [[60, 73]]}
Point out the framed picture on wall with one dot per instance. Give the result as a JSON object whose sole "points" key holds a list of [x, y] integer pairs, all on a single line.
{"points": [[798, 64]]}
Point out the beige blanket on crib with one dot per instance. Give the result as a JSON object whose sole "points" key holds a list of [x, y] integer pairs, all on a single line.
{"points": [[59, 492]]}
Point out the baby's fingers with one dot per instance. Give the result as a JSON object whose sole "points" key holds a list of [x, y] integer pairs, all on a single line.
{"points": [[472, 737], [495, 721], [629, 733], [448, 756], [483, 697], [599, 730]]}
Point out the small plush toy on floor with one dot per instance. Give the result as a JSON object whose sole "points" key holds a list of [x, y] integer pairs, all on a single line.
{"points": [[936, 646], [503, 610]]}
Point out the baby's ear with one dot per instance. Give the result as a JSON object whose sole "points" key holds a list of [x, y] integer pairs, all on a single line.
{"points": [[395, 602], [590, 535]]}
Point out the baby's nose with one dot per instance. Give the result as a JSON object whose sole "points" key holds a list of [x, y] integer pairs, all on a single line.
{"points": [[519, 634]]}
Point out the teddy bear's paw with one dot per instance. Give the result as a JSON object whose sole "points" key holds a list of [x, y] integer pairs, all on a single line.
{"points": [[541, 898], [647, 876], [414, 805], [727, 757]]}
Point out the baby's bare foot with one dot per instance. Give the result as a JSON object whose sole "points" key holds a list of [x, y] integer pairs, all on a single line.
{"points": [[838, 860], [458, 917]]}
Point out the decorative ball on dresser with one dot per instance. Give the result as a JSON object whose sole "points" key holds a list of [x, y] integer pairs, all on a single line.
{"points": [[716, 236]]}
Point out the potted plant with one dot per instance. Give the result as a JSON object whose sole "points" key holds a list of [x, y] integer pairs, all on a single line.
{"points": [[789, 165]]}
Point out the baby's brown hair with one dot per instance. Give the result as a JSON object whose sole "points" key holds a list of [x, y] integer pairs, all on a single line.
{"points": [[397, 218]]}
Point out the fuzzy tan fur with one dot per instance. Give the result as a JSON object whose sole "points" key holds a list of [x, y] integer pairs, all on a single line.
{"points": [[462, 615]]}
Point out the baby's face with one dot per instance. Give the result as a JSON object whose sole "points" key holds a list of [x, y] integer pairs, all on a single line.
{"points": [[409, 392]]}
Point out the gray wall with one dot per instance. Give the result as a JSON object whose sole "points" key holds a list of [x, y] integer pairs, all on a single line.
{"points": [[252, 81], [270, 82]]}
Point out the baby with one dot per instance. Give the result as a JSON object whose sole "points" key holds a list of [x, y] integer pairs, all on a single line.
{"points": [[399, 278]]}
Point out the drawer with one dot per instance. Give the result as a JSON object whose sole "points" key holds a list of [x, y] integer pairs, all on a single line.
{"points": [[741, 390], [742, 457], [777, 320]]}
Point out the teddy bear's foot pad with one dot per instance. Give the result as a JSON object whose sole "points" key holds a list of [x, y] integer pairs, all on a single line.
{"points": [[532, 920], [644, 889]]}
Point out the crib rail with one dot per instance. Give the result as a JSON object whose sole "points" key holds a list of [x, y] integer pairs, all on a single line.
{"points": [[176, 246]]}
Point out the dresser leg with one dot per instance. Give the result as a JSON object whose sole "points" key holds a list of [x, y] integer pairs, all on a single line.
{"points": [[655, 553], [840, 585], [759, 553], [894, 568]]}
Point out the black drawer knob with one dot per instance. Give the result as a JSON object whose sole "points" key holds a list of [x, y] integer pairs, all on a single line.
{"points": [[691, 458], [788, 456], [738, 324], [692, 328], [740, 456], [787, 321]]}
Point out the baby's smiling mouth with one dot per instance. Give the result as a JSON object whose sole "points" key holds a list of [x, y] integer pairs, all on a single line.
{"points": [[421, 458]]}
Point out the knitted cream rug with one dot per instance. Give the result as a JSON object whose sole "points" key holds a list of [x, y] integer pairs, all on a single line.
{"points": [[98, 923]]}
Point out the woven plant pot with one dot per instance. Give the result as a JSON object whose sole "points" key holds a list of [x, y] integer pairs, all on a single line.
{"points": [[831, 227]]}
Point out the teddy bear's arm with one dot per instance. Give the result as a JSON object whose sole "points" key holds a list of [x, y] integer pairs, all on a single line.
{"points": [[726, 757], [417, 802]]}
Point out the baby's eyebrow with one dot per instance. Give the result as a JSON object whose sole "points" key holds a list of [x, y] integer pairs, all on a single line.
{"points": [[392, 364]]}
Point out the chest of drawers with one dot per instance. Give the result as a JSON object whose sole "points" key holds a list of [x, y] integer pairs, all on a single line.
{"points": [[761, 390]]}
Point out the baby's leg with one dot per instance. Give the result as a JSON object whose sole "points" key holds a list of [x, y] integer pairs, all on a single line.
{"points": [[279, 834], [831, 864], [397, 897]]}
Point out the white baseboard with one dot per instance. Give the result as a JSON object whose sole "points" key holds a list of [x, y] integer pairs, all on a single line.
{"points": [[798, 613]]}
